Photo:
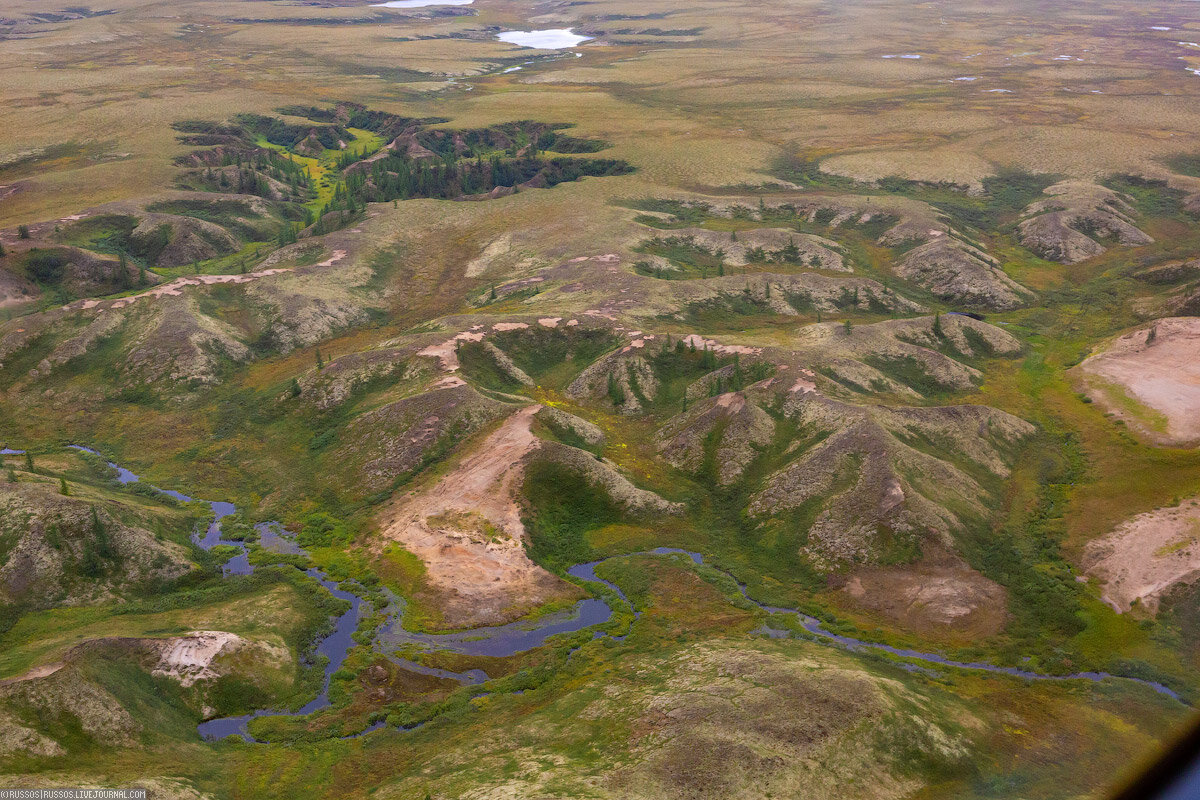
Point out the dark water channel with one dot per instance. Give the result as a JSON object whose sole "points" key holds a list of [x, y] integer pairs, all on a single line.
{"points": [[515, 637]]}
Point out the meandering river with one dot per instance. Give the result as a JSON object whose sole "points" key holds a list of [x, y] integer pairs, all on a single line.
{"points": [[516, 637]]}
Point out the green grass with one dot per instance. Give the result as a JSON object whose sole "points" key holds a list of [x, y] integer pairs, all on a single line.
{"points": [[42, 637], [565, 507]]}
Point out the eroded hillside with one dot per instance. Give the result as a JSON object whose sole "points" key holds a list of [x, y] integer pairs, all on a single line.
{"points": [[605, 421]]}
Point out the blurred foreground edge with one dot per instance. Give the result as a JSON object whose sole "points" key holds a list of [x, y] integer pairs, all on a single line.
{"points": [[1174, 776]]}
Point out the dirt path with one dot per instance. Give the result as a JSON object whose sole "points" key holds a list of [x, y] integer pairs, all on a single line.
{"points": [[467, 530], [44, 671]]}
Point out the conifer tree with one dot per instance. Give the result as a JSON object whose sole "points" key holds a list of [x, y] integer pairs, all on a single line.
{"points": [[62, 487]]}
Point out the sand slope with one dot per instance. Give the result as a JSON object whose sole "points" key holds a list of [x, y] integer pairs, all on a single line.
{"points": [[1159, 372]]}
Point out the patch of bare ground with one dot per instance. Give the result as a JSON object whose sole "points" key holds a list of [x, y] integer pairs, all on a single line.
{"points": [[1150, 378], [938, 596], [1144, 557], [15, 291], [467, 529]]}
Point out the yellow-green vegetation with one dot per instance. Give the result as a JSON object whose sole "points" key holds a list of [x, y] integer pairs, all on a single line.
{"points": [[803, 288]]}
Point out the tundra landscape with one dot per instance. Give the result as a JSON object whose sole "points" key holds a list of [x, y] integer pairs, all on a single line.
{"points": [[513, 399]]}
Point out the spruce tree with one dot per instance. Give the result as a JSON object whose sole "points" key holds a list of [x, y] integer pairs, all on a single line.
{"points": [[28, 461], [12, 475], [615, 393], [23, 231], [62, 487]]}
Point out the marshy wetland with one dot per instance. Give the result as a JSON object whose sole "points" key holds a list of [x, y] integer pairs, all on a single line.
{"points": [[738, 400]]}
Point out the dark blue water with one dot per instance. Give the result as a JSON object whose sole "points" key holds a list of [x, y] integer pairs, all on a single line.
{"points": [[515, 637], [499, 640], [334, 647], [125, 476], [813, 626]]}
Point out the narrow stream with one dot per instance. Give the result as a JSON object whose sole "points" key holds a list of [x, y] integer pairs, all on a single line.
{"points": [[515, 637], [335, 647]]}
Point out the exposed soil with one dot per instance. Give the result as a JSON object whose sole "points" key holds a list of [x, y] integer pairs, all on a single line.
{"points": [[467, 529], [189, 658], [931, 598], [1145, 556], [175, 288], [1159, 371]]}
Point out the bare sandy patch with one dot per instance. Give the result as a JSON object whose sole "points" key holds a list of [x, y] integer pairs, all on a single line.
{"points": [[494, 250], [467, 530], [1145, 556], [447, 352], [43, 671], [189, 658], [1154, 367]]}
